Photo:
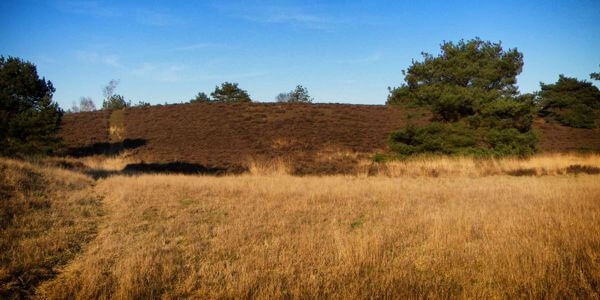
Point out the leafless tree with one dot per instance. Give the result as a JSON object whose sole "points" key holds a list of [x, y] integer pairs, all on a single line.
{"points": [[86, 104]]}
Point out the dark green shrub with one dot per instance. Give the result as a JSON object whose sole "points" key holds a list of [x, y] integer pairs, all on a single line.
{"points": [[578, 116], [436, 138], [508, 113], [115, 102], [230, 93], [201, 97], [460, 139], [509, 141]]}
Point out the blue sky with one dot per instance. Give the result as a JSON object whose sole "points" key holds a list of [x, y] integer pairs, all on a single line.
{"points": [[342, 51]]}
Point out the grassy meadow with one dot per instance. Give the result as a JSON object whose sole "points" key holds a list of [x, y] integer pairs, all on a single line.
{"points": [[431, 227]]}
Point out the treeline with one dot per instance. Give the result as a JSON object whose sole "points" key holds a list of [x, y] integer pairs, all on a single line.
{"points": [[469, 87], [227, 92]]}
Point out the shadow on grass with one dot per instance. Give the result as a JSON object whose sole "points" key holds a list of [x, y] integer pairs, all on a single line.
{"points": [[166, 168], [105, 148]]}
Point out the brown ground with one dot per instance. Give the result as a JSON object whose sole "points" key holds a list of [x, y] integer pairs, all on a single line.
{"points": [[557, 138], [318, 138], [81, 131]]}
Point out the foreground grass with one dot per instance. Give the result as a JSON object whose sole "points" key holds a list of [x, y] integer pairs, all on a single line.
{"points": [[46, 216], [273, 236]]}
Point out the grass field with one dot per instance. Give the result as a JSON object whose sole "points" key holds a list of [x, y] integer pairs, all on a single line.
{"points": [[437, 227]]}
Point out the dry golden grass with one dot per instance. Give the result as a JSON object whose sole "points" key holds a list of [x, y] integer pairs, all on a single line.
{"points": [[278, 236], [543, 164], [538, 165], [46, 215], [108, 163], [428, 227]]}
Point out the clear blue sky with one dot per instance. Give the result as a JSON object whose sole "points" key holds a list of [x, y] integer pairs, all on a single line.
{"points": [[342, 51]]}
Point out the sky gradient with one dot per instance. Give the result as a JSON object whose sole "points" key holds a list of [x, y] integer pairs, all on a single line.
{"points": [[342, 51]]}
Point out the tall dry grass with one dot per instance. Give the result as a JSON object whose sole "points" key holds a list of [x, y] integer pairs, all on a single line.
{"points": [[537, 165], [46, 216], [447, 166], [278, 236]]}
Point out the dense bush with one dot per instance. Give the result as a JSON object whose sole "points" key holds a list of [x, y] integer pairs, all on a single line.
{"points": [[29, 119], [471, 90], [436, 138], [230, 93], [200, 98], [115, 102], [459, 138], [570, 101]]}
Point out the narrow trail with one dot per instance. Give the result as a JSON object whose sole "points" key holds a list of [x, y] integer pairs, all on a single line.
{"points": [[44, 289], [49, 216]]}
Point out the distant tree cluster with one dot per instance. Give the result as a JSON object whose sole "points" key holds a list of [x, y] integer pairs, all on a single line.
{"points": [[29, 118], [298, 95], [226, 93], [471, 90], [85, 104], [112, 100]]}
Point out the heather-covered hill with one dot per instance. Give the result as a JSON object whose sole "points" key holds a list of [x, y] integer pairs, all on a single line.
{"points": [[322, 138]]}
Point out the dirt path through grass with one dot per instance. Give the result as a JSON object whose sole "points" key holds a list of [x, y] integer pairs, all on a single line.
{"points": [[47, 217]]}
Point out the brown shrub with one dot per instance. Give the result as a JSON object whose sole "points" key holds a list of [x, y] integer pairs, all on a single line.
{"points": [[577, 169]]}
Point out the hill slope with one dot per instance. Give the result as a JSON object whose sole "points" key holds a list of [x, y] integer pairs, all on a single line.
{"points": [[321, 138]]}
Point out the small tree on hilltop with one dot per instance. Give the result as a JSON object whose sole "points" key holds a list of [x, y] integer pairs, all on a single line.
{"points": [[29, 119], [115, 102], [201, 97], [86, 104], [112, 100], [471, 90], [142, 104], [595, 76], [298, 95], [74, 108], [230, 93]]}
